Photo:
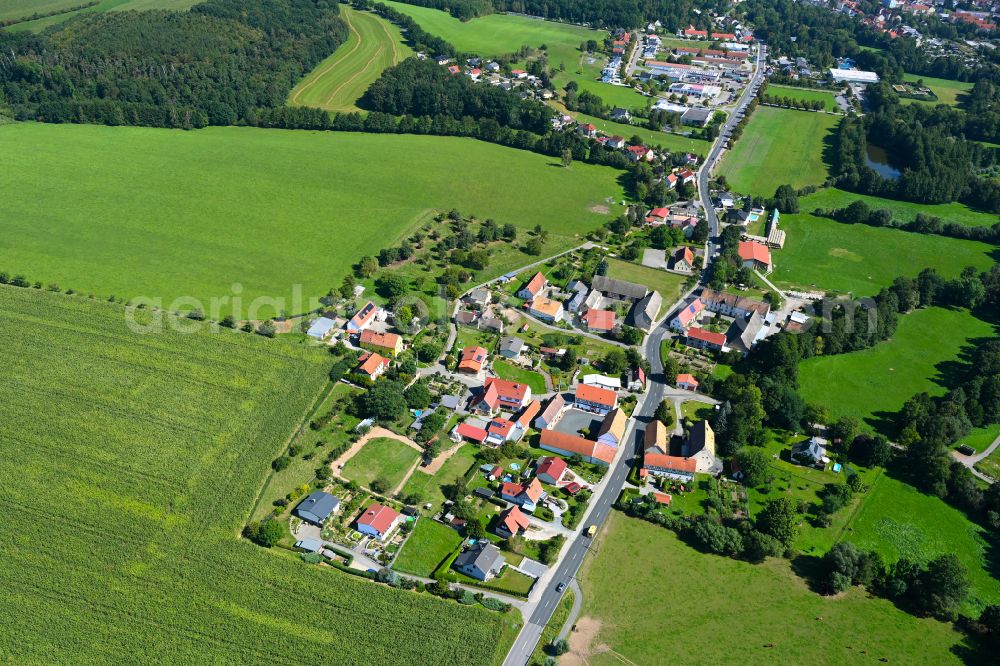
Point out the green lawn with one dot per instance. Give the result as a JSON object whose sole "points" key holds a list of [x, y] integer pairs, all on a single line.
{"points": [[901, 210], [337, 83], [946, 90], [425, 549], [805, 94], [732, 610], [778, 147], [130, 465], [980, 438], [381, 458], [17, 9], [870, 383], [554, 626], [671, 142], [169, 214], [897, 520], [514, 373], [429, 486], [692, 410], [824, 254], [670, 285]]}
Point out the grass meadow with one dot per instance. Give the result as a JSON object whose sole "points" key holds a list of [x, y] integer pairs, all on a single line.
{"points": [[385, 459], [779, 147], [897, 520], [824, 254], [907, 211], [668, 284], [805, 94], [872, 383], [429, 486], [124, 504], [764, 613], [515, 373], [425, 549], [167, 213], [17, 9], [337, 83], [947, 91]]}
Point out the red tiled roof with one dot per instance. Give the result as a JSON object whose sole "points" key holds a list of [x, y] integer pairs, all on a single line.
{"points": [[685, 254], [596, 395], [534, 490], [662, 498], [686, 378], [691, 311], [471, 432], [501, 427], [706, 336], [511, 489], [384, 340], [524, 420], [371, 364], [677, 463], [514, 520], [508, 390], [535, 284], [660, 212], [364, 315], [577, 445], [472, 359], [572, 487], [378, 517], [551, 466], [601, 320], [750, 250]]}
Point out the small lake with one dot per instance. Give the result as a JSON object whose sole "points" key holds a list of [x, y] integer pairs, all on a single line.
{"points": [[878, 161]]}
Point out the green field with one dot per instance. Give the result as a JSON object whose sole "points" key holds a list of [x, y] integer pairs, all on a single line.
{"points": [[879, 380], [428, 546], [947, 91], [779, 147], [168, 213], [385, 459], [805, 94], [337, 83], [131, 463], [668, 284], [667, 140], [735, 611], [429, 486], [906, 211], [514, 373], [897, 520], [17, 9], [824, 254]]}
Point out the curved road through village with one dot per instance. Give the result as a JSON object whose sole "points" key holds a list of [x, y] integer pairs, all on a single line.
{"points": [[544, 599]]}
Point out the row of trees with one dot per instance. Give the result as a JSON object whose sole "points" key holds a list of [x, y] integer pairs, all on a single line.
{"points": [[210, 65], [859, 212]]}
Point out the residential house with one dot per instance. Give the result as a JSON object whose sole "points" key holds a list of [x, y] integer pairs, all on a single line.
{"points": [[533, 287], [479, 297], [619, 290], [810, 452], [646, 310], [616, 142], [317, 507], [470, 431], [389, 344], [688, 316], [322, 328], [550, 470], [551, 413], [466, 318], [599, 321], [511, 347], [672, 467], [572, 445], [372, 365], [687, 382], [655, 439], [523, 421], [594, 379], [744, 334], [640, 153], [683, 260], [702, 339], [732, 305], [363, 318], [472, 360], [500, 431], [491, 324], [620, 115], [482, 561], [378, 521], [657, 216], [595, 399], [737, 216], [755, 255], [613, 428], [588, 130], [637, 382], [500, 393], [701, 446], [527, 496], [546, 309], [511, 522]]}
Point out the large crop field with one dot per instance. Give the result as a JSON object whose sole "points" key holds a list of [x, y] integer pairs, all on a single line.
{"points": [[130, 464], [899, 521], [21, 9], [779, 147], [959, 213], [824, 254], [337, 83], [706, 609], [166, 213], [874, 382]]}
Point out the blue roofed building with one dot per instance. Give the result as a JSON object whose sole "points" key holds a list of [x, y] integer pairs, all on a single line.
{"points": [[317, 507], [321, 328]]}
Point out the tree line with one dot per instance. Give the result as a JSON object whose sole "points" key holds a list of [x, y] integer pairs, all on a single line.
{"points": [[859, 212], [211, 65]]}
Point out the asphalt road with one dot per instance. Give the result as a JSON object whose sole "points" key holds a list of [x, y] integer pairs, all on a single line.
{"points": [[579, 546]]}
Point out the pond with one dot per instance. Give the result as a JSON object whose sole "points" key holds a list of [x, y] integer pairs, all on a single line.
{"points": [[877, 160]]}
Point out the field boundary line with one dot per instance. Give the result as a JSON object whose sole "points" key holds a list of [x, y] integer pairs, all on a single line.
{"points": [[295, 97], [861, 504]]}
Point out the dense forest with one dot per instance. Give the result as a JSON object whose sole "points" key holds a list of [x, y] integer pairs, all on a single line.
{"points": [[936, 165], [423, 88], [208, 66]]}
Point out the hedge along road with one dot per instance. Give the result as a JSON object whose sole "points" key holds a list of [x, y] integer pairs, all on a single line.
{"points": [[337, 83]]}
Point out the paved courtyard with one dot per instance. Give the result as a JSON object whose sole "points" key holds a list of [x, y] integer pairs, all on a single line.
{"points": [[575, 420]]}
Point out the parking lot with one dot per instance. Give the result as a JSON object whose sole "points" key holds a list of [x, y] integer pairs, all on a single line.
{"points": [[575, 420]]}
